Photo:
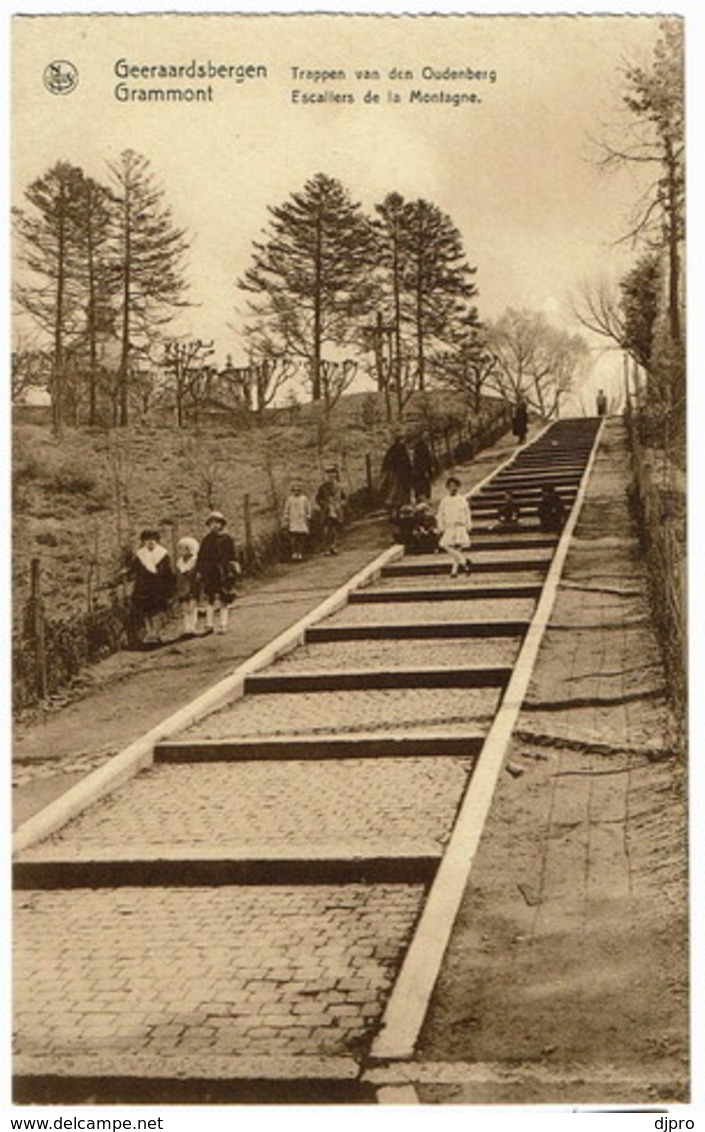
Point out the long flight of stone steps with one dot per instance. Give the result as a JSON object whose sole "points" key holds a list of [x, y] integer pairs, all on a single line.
{"points": [[238, 911]]}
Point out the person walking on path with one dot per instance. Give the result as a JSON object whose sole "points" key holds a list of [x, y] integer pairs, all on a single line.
{"points": [[423, 468], [330, 499], [551, 510], [153, 587], [601, 404], [396, 476], [297, 520], [520, 421], [218, 567], [187, 584], [454, 522]]}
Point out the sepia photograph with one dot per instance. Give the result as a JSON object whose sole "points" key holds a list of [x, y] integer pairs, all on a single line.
{"points": [[348, 514]]}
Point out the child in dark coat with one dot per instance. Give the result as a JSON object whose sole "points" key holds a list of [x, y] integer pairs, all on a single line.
{"points": [[153, 587], [218, 567]]}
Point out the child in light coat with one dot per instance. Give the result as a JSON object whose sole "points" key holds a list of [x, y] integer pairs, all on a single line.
{"points": [[297, 520], [187, 583], [454, 522]]}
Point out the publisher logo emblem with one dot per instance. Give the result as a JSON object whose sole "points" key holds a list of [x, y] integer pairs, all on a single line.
{"points": [[60, 77]]}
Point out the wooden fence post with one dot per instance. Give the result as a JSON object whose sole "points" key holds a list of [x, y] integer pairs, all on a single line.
{"points": [[368, 471], [37, 628], [247, 519]]}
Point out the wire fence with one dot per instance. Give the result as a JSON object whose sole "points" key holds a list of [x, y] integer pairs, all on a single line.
{"points": [[662, 534]]}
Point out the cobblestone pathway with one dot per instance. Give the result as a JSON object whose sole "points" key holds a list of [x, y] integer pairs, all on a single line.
{"points": [[379, 804], [273, 970], [311, 713]]}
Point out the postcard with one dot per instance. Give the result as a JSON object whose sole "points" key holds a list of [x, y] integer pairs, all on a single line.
{"points": [[348, 512]]}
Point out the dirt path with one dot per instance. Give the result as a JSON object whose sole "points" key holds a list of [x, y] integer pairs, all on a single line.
{"points": [[566, 977]]}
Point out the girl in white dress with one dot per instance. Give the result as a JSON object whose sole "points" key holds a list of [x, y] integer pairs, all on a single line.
{"points": [[454, 523]]}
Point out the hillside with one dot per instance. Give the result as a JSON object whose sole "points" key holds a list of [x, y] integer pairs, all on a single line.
{"points": [[79, 503]]}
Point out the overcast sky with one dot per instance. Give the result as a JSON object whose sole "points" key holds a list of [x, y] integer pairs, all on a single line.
{"points": [[513, 170]]}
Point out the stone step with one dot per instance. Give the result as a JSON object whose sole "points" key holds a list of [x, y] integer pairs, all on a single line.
{"points": [[529, 493], [436, 565], [487, 539], [357, 745], [182, 868], [415, 630], [448, 593], [471, 676]]}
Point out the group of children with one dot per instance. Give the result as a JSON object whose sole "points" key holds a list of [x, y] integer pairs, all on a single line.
{"points": [[298, 513], [422, 532], [202, 573], [205, 573]]}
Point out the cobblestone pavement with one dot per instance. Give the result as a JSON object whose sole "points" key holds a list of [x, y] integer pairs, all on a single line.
{"points": [[390, 804], [383, 613], [259, 970], [311, 713], [477, 577], [399, 654], [480, 556]]}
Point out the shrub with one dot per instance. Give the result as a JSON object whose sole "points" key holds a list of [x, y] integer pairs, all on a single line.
{"points": [[73, 479], [47, 538]]}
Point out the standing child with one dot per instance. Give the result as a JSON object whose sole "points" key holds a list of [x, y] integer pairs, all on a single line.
{"points": [[153, 587], [187, 583], [297, 520], [217, 567], [330, 498], [454, 522]]}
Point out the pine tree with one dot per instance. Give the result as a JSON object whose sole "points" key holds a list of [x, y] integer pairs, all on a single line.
{"points": [[50, 248], [311, 276], [425, 281], [97, 206], [438, 283], [147, 265]]}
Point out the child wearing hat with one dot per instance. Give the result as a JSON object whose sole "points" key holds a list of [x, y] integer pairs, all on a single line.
{"points": [[217, 567], [454, 522], [330, 498], [296, 519], [153, 587]]}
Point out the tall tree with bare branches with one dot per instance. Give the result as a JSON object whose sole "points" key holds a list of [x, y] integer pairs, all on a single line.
{"points": [[653, 139]]}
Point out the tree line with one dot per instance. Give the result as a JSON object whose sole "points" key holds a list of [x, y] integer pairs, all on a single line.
{"points": [[331, 293], [643, 315]]}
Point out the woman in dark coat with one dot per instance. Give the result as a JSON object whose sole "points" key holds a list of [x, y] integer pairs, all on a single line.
{"points": [[520, 421], [423, 468], [217, 568], [396, 476], [153, 586]]}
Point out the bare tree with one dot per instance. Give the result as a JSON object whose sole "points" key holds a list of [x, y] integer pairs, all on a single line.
{"points": [[184, 360], [653, 139], [533, 360], [336, 377]]}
